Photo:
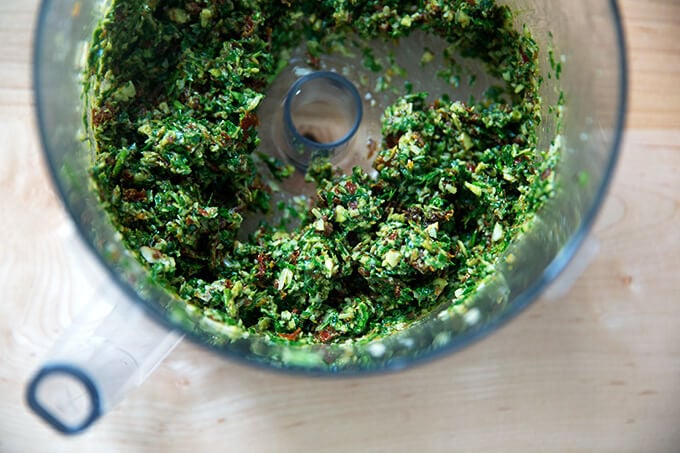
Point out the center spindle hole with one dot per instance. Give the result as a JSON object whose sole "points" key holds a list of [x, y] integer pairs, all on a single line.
{"points": [[324, 108]]}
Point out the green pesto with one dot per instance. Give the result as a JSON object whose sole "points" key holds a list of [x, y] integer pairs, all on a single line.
{"points": [[173, 88]]}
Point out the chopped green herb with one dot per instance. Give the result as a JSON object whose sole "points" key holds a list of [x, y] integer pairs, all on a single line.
{"points": [[174, 89]]}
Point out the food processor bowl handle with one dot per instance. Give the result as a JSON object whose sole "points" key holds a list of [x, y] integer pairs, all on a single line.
{"points": [[111, 347]]}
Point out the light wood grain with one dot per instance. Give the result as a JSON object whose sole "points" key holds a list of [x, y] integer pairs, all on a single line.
{"points": [[652, 28], [598, 370]]}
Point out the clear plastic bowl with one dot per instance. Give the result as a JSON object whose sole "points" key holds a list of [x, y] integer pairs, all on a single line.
{"points": [[587, 37]]}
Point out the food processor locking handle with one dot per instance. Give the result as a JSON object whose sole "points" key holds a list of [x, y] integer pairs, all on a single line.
{"points": [[111, 347]]}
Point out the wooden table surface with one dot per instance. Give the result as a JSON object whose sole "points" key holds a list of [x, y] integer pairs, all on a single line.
{"points": [[598, 370]]}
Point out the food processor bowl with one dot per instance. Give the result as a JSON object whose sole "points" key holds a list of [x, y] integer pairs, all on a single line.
{"points": [[582, 55]]}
